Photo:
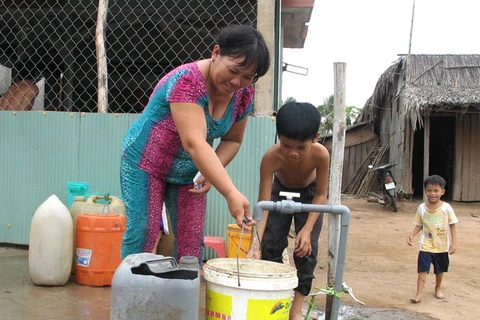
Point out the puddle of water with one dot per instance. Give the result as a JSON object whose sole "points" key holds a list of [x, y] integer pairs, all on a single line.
{"points": [[347, 312], [344, 313]]}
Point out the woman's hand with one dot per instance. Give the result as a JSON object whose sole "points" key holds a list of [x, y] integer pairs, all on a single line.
{"points": [[204, 188], [239, 208], [201, 185]]}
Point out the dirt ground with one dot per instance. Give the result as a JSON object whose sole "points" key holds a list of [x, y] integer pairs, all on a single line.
{"points": [[381, 267]]}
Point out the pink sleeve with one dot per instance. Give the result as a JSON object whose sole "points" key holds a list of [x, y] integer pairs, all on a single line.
{"points": [[188, 88]]}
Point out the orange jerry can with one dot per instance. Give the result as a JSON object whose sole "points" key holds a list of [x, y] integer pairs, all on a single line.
{"points": [[98, 242]]}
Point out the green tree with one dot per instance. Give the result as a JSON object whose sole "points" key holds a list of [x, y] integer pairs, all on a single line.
{"points": [[327, 114], [352, 113]]}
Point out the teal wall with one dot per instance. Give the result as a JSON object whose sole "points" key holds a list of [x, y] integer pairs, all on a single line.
{"points": [[41, 151]]}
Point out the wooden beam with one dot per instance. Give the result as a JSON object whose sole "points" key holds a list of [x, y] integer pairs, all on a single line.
{"points": [[458, 168], [426, 150]]}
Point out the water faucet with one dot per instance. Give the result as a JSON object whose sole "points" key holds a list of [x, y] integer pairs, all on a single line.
{"points": [[289, 206], [284, 206]]}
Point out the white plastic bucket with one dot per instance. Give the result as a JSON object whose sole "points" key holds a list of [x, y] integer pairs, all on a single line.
{"points": [[265, 291]]}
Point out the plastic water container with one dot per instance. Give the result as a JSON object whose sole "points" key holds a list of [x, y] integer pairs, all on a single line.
{"points": [[256, 290], [234, 232], [95, 204], [151, 287], [99, 238], [50, 244], [76, 188]]}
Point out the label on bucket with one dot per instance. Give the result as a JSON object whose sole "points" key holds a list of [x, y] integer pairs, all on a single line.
{"points": [[219, 306], [277, 309], [83, 257]]}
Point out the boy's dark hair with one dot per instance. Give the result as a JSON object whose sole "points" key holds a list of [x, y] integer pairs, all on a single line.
{"points": [[245, 41], [298, 121], [434, 180]]}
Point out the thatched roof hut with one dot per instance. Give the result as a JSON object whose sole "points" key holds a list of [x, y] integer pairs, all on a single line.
{"points": [[426, 108]]}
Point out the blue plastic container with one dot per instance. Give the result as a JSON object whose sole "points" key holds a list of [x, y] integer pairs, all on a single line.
{"points": [[76, 188]]}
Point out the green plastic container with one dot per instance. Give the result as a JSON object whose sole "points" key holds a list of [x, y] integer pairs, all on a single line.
{"points": [[75, 189]]}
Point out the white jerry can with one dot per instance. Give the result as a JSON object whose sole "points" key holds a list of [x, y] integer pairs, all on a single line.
{"points": [[50, 244]]}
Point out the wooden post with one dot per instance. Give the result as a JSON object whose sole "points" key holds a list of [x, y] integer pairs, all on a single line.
{"points": [[426, 150], [336, 168], [102, 56]]}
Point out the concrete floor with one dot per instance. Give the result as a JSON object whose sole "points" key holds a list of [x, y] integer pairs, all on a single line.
{"points": [[20, 299]]}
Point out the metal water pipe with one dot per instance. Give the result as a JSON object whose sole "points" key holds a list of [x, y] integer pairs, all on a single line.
{"points": [[289, 207]]}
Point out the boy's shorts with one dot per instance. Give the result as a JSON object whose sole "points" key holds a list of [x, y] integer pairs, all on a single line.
{"points": [[440, 262]]}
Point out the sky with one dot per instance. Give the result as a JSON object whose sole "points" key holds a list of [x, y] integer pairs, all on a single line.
{"points": [[369, 35]]}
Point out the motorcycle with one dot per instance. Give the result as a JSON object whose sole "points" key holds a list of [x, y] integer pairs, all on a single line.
{"points": [[387, 184]]}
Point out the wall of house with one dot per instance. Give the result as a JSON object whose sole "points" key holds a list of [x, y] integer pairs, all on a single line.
{"points": [[354, 158], [467, 154], [393, 128], [405, 174], [41, 151], [384, 123], [358, 144], [446, 133], [397, 152]]}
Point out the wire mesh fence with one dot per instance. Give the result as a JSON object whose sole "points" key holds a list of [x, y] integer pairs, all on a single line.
{"points": [[48, 48]]}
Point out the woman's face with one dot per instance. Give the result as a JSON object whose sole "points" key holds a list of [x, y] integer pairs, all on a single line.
{"points": [[228, 75]]}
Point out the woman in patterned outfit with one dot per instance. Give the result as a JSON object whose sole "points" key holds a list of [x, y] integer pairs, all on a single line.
{"points": [[172, 140]]}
